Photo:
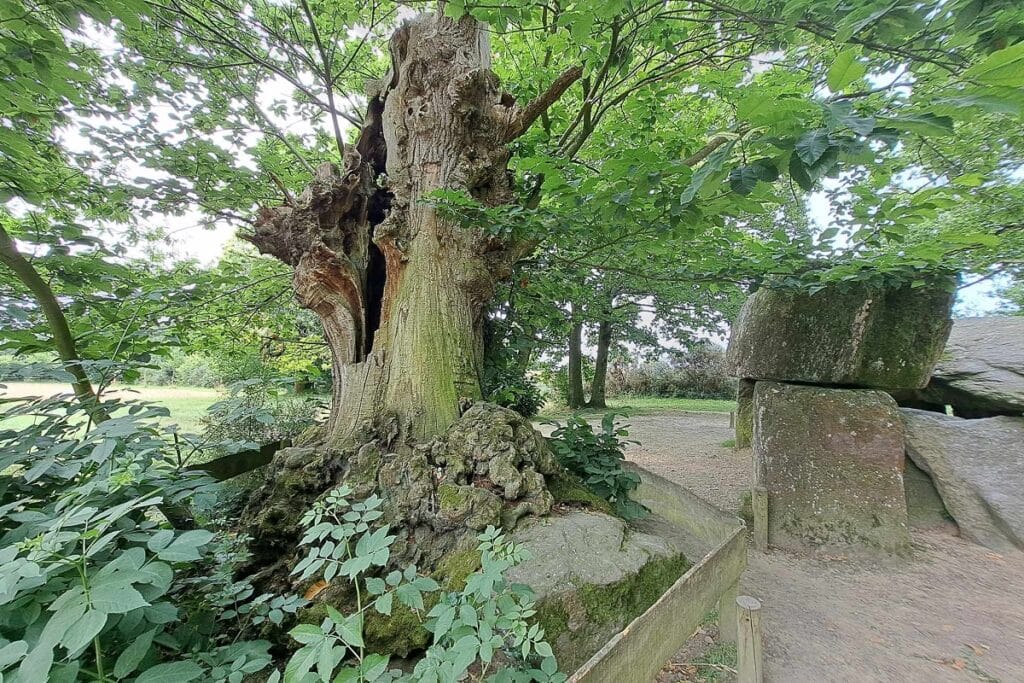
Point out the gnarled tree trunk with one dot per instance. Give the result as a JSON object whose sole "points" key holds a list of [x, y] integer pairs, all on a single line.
{"points": [[400, 286]]}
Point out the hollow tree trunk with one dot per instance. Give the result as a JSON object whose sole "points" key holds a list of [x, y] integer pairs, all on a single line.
{"points": [[399, 284], [575, 395], [597, 387]]}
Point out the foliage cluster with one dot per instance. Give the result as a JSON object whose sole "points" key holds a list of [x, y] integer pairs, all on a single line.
{"points": [[258, 411], [89, 575], [698, 373], [486, 623], [513, 388], [94, 584], [596, 458]]}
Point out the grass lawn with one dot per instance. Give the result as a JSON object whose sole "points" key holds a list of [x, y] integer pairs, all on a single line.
{"points": [[187, 404], [637, 405]]}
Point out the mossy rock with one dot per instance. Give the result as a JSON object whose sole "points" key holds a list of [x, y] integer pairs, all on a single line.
{"points": [[593, 574], [568, 489], [401, 634], [851, 334]]}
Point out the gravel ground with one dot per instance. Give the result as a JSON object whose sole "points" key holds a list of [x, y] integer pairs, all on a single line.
{"points": [[954, 611]]}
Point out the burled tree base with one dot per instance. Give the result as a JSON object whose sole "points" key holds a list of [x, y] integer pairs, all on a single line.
{"points": [[488, 469]]}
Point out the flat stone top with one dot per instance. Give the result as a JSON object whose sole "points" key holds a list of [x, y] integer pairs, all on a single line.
{"points": [[585, 547]]}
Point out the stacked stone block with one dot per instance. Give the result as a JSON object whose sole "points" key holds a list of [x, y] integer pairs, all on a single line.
{"points": [[828, 445]]}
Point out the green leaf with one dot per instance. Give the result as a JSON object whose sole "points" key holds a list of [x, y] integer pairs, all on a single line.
{"points": [[812, 145], [171, 672], [307, 634], [1002, 68], [383, 604], [12, 652], [921, 124], [185, 548], [132, 655], [845, 70], [116, 599], [36, 666], [83, 631]]}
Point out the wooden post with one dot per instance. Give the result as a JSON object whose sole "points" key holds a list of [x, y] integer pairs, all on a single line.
{"points": [[749, 658], [727, 614], [732, 419], [759, 506]]}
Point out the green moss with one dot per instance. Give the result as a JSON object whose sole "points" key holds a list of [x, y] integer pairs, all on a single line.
{"points": [[455, 568], [626, 599], [553, 618], [568, 489], [401, 633], [578, 623], [451, 497]]}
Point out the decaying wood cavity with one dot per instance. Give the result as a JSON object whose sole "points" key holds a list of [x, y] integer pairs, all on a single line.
{"points": [[399, 285]]}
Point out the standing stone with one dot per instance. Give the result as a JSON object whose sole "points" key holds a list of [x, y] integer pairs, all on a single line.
{"points": [[981, 371], [849, 334], [744, 413], [832, 463], [978, 468]]}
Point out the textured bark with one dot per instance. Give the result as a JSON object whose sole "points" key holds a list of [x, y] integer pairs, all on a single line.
{"points": [[399, 284], [597, 387], [575, 397]]}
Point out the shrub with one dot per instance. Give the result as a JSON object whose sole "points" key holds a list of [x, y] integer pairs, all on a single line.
{"points": [[258, 411], [469, 627], [699, 373], [597, 459], [87, 571], [511, 388]]}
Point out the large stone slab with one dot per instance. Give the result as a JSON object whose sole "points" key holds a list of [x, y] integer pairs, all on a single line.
{"points": [[593, 574], [854, 335], [981, 371], [832, 463], [978, 468]]}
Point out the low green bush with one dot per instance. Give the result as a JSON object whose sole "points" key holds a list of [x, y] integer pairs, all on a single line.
{"points": [[596, 458]]}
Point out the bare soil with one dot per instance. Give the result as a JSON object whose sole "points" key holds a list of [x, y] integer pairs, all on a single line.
{"points": [[953, 611]]}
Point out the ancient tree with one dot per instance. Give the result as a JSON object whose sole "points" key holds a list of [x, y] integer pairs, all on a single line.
{"points": [[401, 288]]}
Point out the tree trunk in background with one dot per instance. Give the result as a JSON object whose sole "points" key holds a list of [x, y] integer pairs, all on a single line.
{"points": [[597, 387], [63, 340], [575, 396]]}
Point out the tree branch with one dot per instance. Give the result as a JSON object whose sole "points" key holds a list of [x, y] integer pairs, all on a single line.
{"points": [[525, 117], [328, 78], [63, 340]]}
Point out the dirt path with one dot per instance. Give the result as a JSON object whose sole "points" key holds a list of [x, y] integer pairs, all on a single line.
{"points": [[953, 612]]}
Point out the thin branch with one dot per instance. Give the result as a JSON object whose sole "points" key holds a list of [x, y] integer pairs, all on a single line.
{"points": [[532, 111], [328, 78]]}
